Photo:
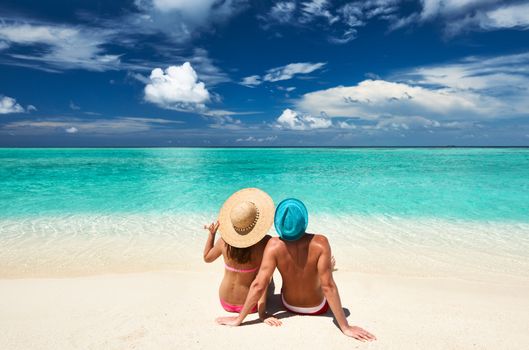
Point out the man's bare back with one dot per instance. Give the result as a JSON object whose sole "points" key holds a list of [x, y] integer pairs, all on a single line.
{"points": [[298, 264]]}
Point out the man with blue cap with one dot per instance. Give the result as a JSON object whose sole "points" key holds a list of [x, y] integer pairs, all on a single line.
{"points": [[304, 261]]}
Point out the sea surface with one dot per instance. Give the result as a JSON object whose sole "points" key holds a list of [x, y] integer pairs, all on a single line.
{"points": [[105, 210]]}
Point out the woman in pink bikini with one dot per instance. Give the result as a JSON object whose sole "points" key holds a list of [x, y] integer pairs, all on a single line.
{"points": [[244, 220]]}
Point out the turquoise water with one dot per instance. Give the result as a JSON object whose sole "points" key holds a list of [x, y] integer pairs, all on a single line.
{"points": [[476, 184]]}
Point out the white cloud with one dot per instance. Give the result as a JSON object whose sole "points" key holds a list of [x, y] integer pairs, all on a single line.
{"points": [[120, 125], [286, 72], [406, 123], [208, 70], [448, 95], [283, 11], [223, 113], [226, 122], [290, 70], [372, 98], [9, 105], [68, 47], [513, 16], [293, 120], [177, 88], [343, 21], [251, 81], [73, 106], [54, 48], [460, 16], [501, 82], [257, 139], [287, 89], [317, 8], [181, 19], [340, 21]]}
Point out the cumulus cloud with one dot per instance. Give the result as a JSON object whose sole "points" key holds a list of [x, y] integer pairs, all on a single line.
{"points": [[452, 95], [9, 105], [293, 120], [67, 47], [373, 98], [177, 88]]}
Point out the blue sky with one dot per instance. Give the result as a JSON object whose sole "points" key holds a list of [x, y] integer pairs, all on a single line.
{"points": [[264, 73]]}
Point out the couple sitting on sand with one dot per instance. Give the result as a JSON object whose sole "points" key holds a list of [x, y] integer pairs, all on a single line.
{"points": [[251, 256]]}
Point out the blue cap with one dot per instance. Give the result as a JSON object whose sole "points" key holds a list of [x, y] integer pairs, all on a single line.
{"points": [[291, 219]]}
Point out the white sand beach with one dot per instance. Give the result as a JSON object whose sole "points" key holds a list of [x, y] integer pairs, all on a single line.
{"points": [[176, 310]]}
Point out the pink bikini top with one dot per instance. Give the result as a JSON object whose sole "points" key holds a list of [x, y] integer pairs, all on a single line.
{"points": [[229, 268]]}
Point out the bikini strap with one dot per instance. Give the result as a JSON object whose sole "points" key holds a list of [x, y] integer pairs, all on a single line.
{"points": [[229, 268]]}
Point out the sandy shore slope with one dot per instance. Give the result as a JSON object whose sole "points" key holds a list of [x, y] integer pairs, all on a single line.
{"points": [[175, 310]]}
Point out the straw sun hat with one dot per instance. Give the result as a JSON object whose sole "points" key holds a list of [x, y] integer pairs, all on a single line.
{"points": [[246, 217]]}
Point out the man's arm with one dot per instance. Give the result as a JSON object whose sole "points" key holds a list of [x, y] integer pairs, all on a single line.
{"points": [[257, 288], [330, 290]]}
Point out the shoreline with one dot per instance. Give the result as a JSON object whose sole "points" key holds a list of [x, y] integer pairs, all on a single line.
{"points": [[81, 245], [173, 310]]}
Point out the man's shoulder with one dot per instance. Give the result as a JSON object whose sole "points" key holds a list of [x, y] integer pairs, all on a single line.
{"points": [[320, 241], [275, 242], [274, 247]]}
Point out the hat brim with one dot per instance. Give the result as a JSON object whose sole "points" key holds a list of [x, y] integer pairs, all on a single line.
{"points": [[265, 206]]}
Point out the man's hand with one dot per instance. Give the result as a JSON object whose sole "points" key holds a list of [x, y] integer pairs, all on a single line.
{"points": [[232, 321], [272, 321], [358, 333], [212, 228]]}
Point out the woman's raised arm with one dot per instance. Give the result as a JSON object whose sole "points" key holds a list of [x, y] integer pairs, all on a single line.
{"points": [[212, 250]]}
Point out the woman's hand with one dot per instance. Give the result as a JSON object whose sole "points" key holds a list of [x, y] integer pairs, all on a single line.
{"points": [[211, 250], [212, 228]]}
